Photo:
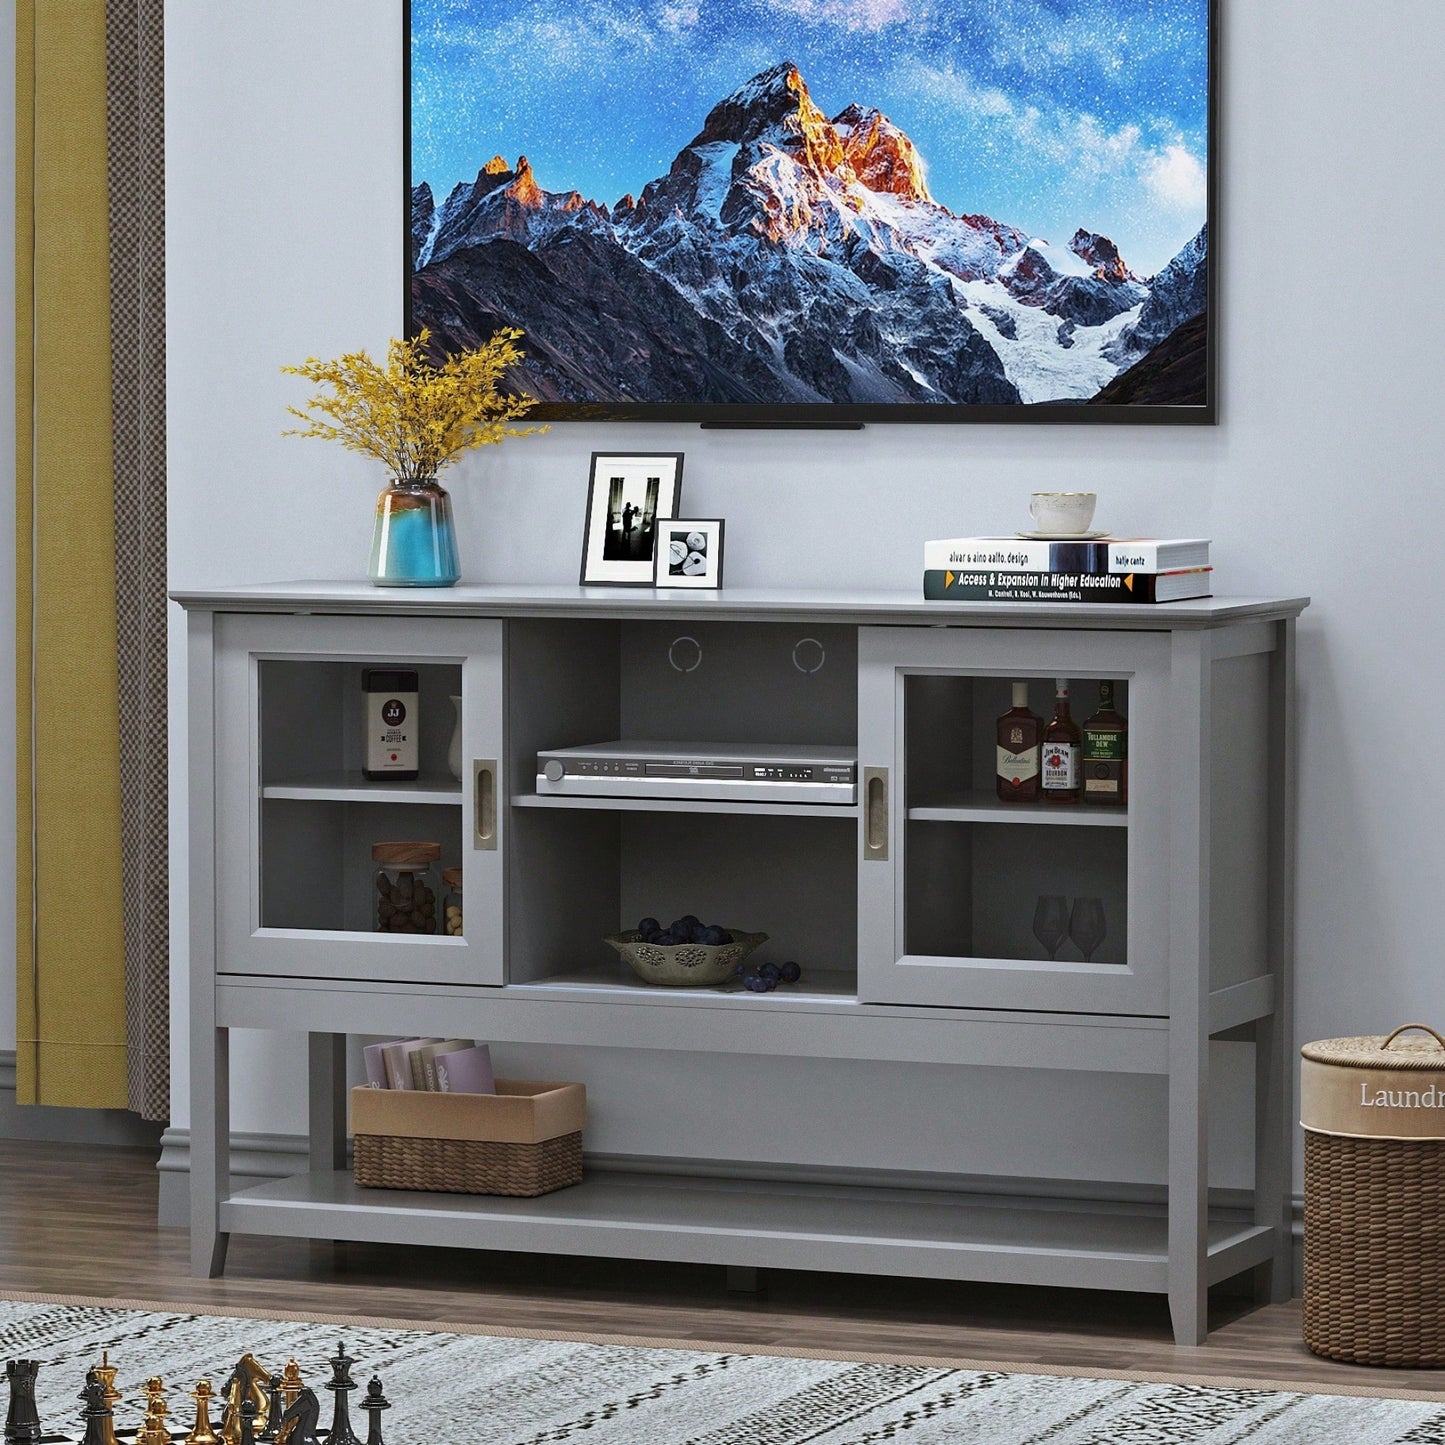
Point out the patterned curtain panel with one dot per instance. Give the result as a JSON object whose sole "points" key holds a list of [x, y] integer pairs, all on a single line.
{"points": [[77, 478], [135, 43]]}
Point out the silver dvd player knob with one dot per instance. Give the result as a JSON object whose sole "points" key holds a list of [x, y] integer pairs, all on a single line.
{"points": [[554, 770]]}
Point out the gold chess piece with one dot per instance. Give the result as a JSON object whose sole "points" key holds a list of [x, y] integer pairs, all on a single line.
{"points": [[291, 1382], [291, 1386], [154, 1431], [105, 1372], [248, 1382], [203, 1434]]}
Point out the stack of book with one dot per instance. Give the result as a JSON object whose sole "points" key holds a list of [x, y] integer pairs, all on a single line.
{"points": [[434, 1065], [1116, 569]]}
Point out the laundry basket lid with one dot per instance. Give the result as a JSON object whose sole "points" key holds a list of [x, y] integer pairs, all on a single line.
{"points": [[1381, 1051], [1378, 1086]]}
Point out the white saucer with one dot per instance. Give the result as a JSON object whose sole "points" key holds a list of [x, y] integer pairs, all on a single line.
{"points": [[1061, 536]]}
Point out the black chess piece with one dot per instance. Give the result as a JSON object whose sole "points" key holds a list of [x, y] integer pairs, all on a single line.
{"points": [[374, 1403], [97, 1413], [341, 1385], [22, 1422], [248, 1421], [275, 1408], [302, 1416]]}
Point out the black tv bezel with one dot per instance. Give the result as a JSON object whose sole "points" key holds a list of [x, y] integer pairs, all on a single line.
{"points": [[843, 415]]}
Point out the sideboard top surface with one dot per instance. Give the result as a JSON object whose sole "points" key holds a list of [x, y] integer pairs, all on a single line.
{"points": [[759, 604]]}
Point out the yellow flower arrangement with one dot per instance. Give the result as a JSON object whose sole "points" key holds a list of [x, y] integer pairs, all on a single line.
{"points": [[412, 416]]}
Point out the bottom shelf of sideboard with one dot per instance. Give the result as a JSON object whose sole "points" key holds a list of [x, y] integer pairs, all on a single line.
{"points": [[921, 1233]]}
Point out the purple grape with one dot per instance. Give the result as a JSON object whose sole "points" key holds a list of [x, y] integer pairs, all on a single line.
{"points": [[790, 972], [756, 983], [712, 936], [649, 925], [771, 970]]}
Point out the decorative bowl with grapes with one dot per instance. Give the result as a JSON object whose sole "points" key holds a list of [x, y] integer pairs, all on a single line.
{"points": [[684, 965]]}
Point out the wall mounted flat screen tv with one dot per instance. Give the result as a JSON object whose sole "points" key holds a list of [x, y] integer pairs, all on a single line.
{"points": [[820, 210]]}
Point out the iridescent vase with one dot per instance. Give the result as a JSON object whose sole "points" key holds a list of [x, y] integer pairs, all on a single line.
{"points": [[414, 542]]}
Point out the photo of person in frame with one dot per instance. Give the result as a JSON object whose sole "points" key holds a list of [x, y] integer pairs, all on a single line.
{"points": [[631, 518]]}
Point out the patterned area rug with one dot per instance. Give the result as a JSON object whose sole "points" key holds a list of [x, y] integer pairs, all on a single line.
{"points": [[447, 1387]]}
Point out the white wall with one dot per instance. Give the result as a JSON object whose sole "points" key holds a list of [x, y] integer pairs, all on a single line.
{"points": [[284, 155]]}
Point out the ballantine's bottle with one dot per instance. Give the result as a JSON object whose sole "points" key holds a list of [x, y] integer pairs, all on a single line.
{"points": [[1019, 734], [1060, 770]]}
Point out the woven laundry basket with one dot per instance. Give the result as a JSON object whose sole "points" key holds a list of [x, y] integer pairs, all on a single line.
{"points": [[524, 1140], [1373, 1111]]}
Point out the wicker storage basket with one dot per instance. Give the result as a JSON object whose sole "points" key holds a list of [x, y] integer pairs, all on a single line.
{"points": [[1373, 1111], [526, 1139]]}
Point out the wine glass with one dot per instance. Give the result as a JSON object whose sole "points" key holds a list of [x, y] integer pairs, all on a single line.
{"points": [[1086, 925], [1051, 921]]}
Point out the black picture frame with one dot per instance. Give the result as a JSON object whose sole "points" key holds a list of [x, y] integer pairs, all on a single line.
{"points": [[667, 573], [628, 495], [848, 415]]}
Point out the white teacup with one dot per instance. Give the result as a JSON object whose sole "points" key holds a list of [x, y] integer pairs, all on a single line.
{"points": [[1062, 511]]}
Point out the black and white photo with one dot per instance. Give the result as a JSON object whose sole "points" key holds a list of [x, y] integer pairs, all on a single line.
{"points": [[690, 552], [629, 497]]}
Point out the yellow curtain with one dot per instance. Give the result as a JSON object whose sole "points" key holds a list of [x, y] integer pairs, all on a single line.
{"points": [[71, 1026]]}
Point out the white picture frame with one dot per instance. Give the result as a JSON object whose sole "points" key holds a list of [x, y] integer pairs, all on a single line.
{"points": [[689, 552]]}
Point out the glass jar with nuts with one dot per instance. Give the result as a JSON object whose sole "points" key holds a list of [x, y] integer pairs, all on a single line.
{"points": [[452, 902], [406, 898]]}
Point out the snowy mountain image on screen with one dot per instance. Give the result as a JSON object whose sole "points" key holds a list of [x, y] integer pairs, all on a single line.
{"points": [[789, 258]]}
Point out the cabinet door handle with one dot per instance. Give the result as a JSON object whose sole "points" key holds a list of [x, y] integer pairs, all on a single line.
{"points": [[484, 803], [875, 814]]}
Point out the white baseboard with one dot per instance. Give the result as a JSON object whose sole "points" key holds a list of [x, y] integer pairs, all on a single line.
{"points": [[112, 1127], [256, 1158]]}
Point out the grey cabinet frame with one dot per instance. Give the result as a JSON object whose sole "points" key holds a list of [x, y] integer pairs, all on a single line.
{"points": [[1228, 666]]}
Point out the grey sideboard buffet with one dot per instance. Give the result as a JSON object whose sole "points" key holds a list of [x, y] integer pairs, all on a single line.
{"points": [[916, 903]]}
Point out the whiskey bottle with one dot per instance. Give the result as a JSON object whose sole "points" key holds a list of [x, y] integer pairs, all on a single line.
{"points": [[1019, 735], [1106, 752], [1059, 772]]}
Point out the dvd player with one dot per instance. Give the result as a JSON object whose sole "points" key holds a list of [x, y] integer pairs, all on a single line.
{"points": [[717, 772]]}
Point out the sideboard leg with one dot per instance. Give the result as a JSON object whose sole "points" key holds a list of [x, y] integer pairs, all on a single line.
{"points": [[742, 1279], [1189, 968], [210, 1142], [326, 1061], [1274, 1055]]}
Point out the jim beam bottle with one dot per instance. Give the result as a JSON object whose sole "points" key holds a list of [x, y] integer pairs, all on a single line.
{"points": [[1019, 734], [392, 718], [1060, 759], [1106, 752]]}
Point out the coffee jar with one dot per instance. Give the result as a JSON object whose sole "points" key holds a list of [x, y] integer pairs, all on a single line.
{"points": [[405, 886], [452, 902]]}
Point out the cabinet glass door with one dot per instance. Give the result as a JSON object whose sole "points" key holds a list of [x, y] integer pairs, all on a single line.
{"points": [[298, 821], [971, 901]]}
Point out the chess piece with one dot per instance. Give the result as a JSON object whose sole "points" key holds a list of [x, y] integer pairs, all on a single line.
{"points": [[341, 1385], [154, 1431], [247, 1418], [247, 1381], [97, 1414], [298, 1424], [374, 1403], [106, 1373], [290, 1383], [202, 1434], [275, 1408], [22, 1422]]}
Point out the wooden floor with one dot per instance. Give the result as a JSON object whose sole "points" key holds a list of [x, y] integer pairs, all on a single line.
{"points": [[78, 1220]]}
